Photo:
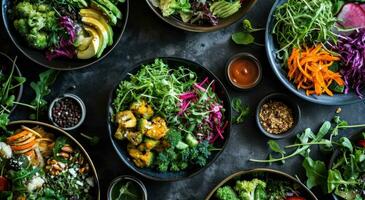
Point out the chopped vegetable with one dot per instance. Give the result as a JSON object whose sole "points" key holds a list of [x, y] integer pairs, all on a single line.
{"points": [[352, 51], [309, 68]]}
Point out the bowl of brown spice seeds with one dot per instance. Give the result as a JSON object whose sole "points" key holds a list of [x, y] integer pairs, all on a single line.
{"points": [[277, 116]]}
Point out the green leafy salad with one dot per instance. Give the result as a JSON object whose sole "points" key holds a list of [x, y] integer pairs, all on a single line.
{"points": [[199, 12], [36, 164], [168, 118]]}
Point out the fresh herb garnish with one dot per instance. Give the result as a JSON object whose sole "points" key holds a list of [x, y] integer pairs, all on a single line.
{"points": [[245, 36], [242, 111], [8, 84], [42, 89], [94, 140]]}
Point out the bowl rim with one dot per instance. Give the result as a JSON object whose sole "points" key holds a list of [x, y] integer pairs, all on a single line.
{"points": [[283, 80], [78, 100], [287, 100], [200, 29], [135, 67], [21, 87], [250, 57], [258, 170], [62, 132], [335, 154], [104, 55], [127, 177]]}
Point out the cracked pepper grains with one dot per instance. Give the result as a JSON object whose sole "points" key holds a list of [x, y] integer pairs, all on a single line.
{"points": [[276, 117], [66, 112]]}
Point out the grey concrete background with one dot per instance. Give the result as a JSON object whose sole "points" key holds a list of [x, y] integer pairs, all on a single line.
{"points": [[147, 36]]}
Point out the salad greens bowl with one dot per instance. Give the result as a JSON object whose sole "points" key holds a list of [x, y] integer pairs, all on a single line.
{"points": [[168, 142], [280, 69], [65, 35], [273, 183], [200, 16]]}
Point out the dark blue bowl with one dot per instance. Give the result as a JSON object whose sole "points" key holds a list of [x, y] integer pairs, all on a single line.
{"points": [[151, 173], [272, 46]]}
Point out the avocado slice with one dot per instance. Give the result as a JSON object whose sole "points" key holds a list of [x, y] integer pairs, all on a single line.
{"points": [[98, 16], [83, 43], [94, 34], [110, 6], [112, 18], [94, 45], [103, 33]]}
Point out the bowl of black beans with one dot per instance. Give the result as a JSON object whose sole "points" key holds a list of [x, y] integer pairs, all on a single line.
{"points": [[67, 112]]}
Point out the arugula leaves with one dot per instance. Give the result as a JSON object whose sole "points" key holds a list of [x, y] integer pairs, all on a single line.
{"points": [[9, 83], [242, 111], [245, 36], [316, 172], [41, 89]]}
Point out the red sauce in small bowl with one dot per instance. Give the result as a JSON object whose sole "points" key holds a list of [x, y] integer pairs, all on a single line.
{"points": [[244, 72]]}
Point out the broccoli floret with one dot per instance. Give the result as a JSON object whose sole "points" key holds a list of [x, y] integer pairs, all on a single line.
{"points": [[21, 26], [37, 21], [249, 190], [42, 8], [37, 39], [25, 9], [174, 137], [51, 21], [200, 153], [226, 193]]}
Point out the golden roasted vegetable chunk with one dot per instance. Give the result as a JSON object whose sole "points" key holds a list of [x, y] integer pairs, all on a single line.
{"points": [[148, 144], [141, 108], [158, 128], [141, 159], [134, 137], [126, 119]]}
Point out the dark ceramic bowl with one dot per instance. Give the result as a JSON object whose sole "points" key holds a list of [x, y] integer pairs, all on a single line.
{"points": [[354, 137], [153, 174], [249, 57], [127, 178], [291, 104], [78, 100], [6, 64], [262, 172], [59, 132], [178, 23], [60, 63], [272, 46]]}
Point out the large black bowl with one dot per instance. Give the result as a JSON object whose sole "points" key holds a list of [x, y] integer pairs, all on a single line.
{"points": [[121, 147], [278, 69], [60, 63], [178, 23], [6, 64], [262, 172], [354, 137]]}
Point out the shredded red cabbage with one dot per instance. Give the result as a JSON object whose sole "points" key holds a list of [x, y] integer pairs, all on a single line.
{"points": [[202, 99], [65, 47], [352, 51]]}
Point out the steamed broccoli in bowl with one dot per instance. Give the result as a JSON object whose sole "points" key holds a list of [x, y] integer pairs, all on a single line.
{"points": [[35, 22]]}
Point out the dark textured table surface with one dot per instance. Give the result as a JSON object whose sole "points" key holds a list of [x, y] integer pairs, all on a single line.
{"points": [[147, 36]]}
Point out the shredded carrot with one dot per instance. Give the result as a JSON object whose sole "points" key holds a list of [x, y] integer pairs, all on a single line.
{"points": [[17, 136], [309, 69]]}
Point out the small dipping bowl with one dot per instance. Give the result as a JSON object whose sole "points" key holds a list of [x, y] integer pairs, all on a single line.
{"points": [[243, 71], [291, 104], [66, 120], [113, 190]]}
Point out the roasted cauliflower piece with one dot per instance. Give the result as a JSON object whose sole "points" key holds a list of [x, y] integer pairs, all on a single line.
{"points": [[134, 138], [148, 144], [141, 108], [126, 119], [158, 128], [141, 159]]}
